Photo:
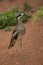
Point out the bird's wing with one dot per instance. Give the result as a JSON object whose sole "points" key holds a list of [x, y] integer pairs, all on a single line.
{"points": [[15, 29], [13, 39]]}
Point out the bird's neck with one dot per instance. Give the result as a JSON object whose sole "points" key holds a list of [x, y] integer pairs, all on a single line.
{"points": [[19, 21]]}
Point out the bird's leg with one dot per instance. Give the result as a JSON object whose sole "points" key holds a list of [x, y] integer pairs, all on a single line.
{"points": [[20, 42], [22, 56], [20, 46]]}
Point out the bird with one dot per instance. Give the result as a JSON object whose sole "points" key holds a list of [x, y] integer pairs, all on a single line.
{"points": [[18, 31], [13, 38]]}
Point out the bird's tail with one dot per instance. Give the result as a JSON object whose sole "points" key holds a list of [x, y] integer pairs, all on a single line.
{"points": [[12, 43], [13, 39]]}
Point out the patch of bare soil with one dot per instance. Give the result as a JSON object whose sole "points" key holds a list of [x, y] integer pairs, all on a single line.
{"points": [[32, 45], [5, 4]]}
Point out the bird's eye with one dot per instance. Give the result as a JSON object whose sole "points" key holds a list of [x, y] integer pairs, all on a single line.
{"points": [[22, 14]]}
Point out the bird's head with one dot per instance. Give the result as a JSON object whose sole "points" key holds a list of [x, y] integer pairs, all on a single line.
{"points": [[19, 15]]}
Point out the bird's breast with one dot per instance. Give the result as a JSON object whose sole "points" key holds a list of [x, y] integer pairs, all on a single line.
{"points": [[21, 29]]}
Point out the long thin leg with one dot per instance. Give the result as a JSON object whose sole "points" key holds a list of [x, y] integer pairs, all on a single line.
{"points": [[20, 41]]}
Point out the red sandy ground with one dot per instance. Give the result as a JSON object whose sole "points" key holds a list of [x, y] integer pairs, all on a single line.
{"points": [[32, 42]]}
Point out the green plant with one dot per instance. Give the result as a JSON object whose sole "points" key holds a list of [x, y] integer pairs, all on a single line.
{"points": [[2, 20], [24, 18], [26, 6], [8, 18], [15, 9], [8, 28], [11, 20], [38, 14]]}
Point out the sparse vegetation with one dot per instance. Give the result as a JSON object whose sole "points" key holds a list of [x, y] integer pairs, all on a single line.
{"points": [[15, 9], [38, 14], [8, 18], [26, 7], [24, 18], [8, 28]]}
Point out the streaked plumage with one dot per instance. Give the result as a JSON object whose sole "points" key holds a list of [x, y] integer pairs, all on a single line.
{"points": [[13, 38], [18, 31]]}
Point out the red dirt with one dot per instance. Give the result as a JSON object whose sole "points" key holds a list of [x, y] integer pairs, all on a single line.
{"points": [[32, 43], [5, 4]]}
